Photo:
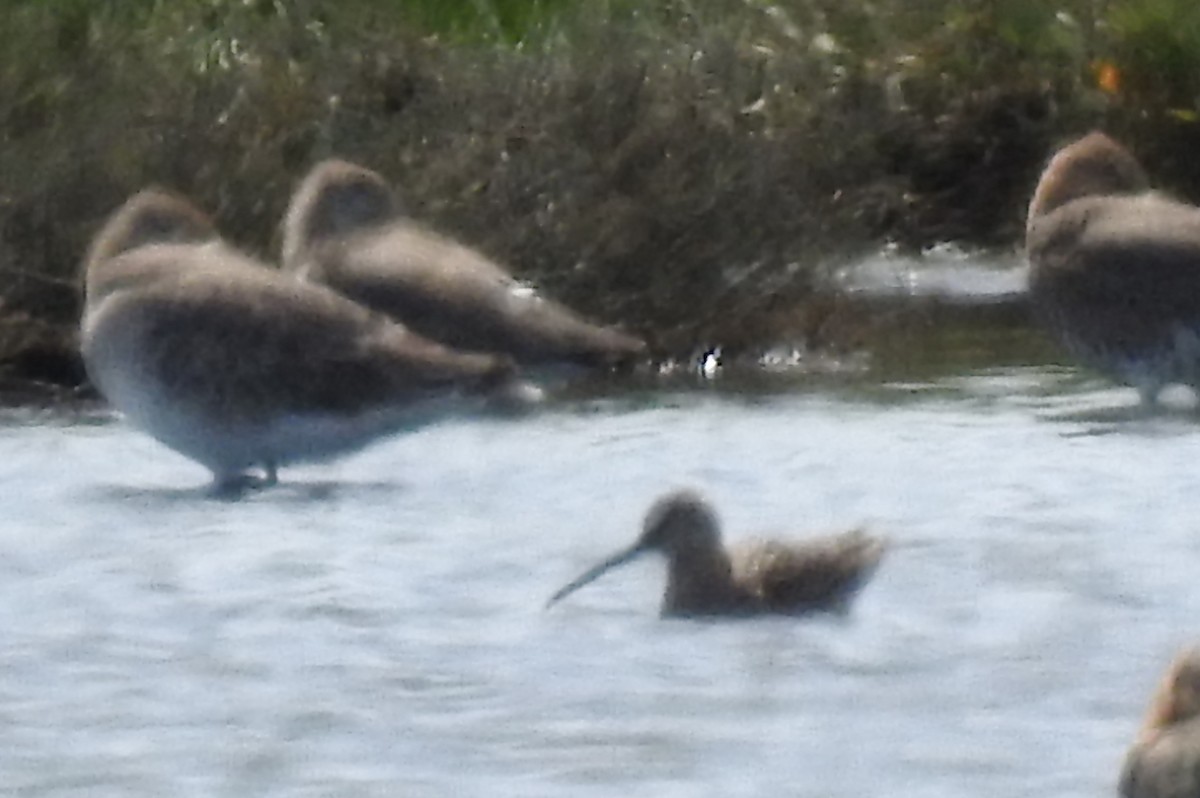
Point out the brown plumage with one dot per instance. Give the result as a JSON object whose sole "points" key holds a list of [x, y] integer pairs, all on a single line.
{"points": [[344, 229], [1164, 761], [238, 366], [1115, 267], [749, 578]]}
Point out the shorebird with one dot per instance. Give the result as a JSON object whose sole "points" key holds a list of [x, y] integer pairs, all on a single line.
{"points": [[1164, 761], [240, 367], [752, 578], [1115, 267], [344, 228]]}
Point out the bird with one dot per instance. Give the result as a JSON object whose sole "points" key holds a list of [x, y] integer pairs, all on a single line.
{"points": [[1164, 761], [1115, 267], [345, 228], [756, 577], [243, 368]]}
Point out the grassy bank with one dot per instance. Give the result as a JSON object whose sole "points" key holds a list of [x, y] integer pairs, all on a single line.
{"points": [[687, 169]]}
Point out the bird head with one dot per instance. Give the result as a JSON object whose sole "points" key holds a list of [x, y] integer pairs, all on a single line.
{"points": [[335, 199], [152, 216], [1095, 165], [680, 524]]}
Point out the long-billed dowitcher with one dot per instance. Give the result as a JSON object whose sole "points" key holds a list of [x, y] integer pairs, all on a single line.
{"points": [[240, 367], [1164, 761], [750, 578], [344, 228], [1115, 267]]}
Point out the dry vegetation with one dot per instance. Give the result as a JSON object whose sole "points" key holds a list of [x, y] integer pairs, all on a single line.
{"points": [[686, 169]]}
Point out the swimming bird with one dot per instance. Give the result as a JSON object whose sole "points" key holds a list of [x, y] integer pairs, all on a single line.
{"points": [[241, 367], [344, 228], [1115, 267], [751, 578], [1164, 761]]}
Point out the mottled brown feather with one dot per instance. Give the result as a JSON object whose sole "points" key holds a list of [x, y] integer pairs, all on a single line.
{"points": [[152, 216], [1115, 268], [300, 348], [236, 364], [1123, 272], [344, 229], [1164, 761], [817, 572], [750, 578], [1093, 166]]}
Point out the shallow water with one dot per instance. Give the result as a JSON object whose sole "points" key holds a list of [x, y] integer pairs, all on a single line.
{"points": [[375, 626]]}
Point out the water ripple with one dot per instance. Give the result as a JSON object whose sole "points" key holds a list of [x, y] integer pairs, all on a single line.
{"points": [[374, 627]]}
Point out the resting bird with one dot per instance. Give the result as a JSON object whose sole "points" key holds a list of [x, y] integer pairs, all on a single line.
{"points": [[752, 578], [240, 367], [345, 229], [1115, 267], [1164, 762]]}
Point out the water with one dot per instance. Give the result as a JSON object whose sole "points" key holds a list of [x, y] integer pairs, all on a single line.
{"points": [[946, 272], [375, 627]]}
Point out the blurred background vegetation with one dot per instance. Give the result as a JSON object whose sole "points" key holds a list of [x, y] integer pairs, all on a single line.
{"points": [[690, 169]]}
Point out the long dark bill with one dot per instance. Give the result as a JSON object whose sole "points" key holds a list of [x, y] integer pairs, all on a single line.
{"points": [[595, 572]]}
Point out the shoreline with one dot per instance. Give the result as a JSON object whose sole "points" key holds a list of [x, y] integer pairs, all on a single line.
{"points": [[701, 190], [858, 333]]}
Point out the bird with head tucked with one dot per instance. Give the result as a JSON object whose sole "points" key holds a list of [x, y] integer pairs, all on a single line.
{"points": [[345, 229], [242, 368], [1115, 267]]}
